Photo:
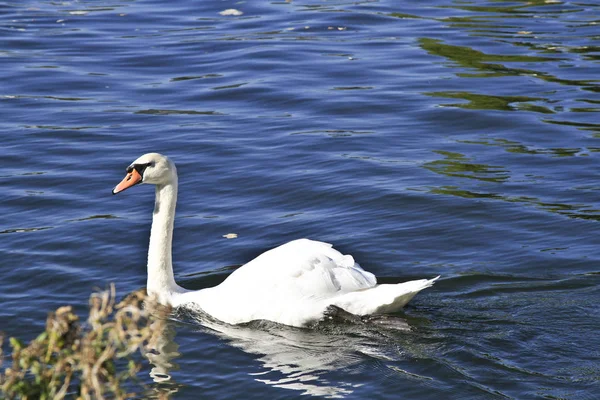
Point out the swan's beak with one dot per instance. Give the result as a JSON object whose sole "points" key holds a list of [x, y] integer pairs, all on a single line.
{"points": [[132, 178]]}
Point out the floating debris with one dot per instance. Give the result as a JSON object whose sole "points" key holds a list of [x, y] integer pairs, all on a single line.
{"points": [[231, 11], [78, 12], [230, 236]]}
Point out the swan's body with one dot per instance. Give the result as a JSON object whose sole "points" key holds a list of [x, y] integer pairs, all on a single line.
{"points": [[293, 284]]}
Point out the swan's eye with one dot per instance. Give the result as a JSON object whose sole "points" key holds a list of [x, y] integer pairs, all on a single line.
{"points": [[129, 169], [140, 168]]}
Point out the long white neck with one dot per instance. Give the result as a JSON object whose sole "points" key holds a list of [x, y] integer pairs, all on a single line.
{"points": [[161, 281]]}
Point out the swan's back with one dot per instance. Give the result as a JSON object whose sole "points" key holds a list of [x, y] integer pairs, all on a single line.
{"points": [[313, 269], [290, 284]]}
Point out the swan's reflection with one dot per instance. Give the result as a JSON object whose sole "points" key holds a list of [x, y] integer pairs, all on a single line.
{"points": [[164, 352], [292, 358], [161, 352]]}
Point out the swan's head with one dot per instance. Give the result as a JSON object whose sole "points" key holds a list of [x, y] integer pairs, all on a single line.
{"points": [[152, 168]]}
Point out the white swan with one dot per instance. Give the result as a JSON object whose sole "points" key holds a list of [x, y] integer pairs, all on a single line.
{"points": [[293, 284]]}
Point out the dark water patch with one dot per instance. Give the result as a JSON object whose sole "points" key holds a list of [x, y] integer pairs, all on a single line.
{"points": [[188, 78], [23, 230], [177, 112], [92, 217], [61, 128], [334, 133], [46, 97], [505, 285], [353, 88], [234, 86]]}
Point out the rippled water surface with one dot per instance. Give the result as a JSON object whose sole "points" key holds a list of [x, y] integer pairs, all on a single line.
{"points": [[445, 137]]}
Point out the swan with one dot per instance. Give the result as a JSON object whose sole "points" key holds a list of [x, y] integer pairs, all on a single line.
{"points": [[295, 284]]}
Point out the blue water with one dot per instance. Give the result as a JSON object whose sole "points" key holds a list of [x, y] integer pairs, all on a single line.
{"points": [[452, 138]]}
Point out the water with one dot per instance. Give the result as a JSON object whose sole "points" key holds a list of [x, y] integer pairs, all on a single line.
{"points": [[453, 138]]}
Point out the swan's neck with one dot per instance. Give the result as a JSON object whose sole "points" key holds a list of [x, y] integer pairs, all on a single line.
{"points": [[161, 281]]}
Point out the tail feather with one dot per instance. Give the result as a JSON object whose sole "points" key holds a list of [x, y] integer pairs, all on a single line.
{"points": [[382, 299]]}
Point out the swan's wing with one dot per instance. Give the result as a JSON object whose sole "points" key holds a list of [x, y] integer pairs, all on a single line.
{"points": [[291, 284], [303, 268]]}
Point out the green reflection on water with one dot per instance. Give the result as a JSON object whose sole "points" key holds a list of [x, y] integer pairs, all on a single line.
{"points": [[458, 165], [488, 102], [579, 211], [584, 109], [584, 126], [512, 7], [471, 58], [405, 16], [474, 59], [516, 147]]}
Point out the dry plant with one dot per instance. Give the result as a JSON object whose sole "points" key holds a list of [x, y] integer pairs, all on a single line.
{"points": [[89, 361]]}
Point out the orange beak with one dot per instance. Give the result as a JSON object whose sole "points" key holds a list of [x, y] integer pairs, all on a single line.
{"points": [[132, 178]]}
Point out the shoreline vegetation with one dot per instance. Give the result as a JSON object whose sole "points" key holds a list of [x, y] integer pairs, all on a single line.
{"points": [[94, 359]]}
